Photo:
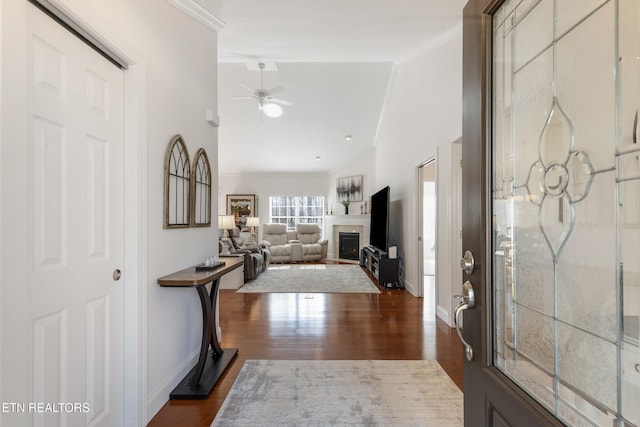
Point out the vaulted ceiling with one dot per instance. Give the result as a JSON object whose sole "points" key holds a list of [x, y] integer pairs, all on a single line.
{"points": [[334, 58]]}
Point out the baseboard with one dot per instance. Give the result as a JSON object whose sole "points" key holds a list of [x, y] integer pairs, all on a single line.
{"points": [[443, 314], [160, 396], [411, 288]]}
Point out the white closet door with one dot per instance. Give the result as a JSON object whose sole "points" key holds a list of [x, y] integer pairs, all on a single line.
{"points": [[62, 226]]}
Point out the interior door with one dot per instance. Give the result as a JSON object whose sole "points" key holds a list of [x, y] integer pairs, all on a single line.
{"points": [[62, 226], [551, 212]]}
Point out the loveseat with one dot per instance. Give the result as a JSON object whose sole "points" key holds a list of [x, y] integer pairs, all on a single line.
{"points": [[256, 258], [303, 244]]}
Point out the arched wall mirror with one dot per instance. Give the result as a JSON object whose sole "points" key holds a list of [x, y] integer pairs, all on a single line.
{"points": [[177, 184], [201, 190]]}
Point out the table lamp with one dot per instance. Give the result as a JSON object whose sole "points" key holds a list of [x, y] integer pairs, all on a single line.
{"points": [[253, 222], [226, 223]]}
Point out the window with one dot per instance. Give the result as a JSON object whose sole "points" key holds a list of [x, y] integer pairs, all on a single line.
{"points": [[292, 210]]}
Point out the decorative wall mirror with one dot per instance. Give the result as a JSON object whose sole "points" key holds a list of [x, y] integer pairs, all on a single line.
{"points": [[201, 190], [177, 184]]}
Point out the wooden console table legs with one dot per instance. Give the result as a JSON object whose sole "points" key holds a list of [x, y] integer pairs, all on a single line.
{"points": [[208, 331], [212, 360]]}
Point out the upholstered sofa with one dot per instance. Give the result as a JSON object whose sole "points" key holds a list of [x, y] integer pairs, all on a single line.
{"points": [[256, 258], [304, 244]]}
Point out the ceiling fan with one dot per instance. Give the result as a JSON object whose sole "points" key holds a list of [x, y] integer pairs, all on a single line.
{"points": [[266, 102]]}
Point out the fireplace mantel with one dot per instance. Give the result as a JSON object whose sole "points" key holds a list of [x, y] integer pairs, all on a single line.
{"points": [[334, 224]]}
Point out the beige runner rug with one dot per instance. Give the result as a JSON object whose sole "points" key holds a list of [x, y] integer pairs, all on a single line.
{"points": [[340, 393], [311, 278]]}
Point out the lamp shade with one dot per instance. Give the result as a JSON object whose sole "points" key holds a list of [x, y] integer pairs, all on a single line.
{"points": [[253, 221], [226, 222]]}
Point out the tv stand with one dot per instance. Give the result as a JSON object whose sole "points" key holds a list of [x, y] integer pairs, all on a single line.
{"points": [[385, 270]]}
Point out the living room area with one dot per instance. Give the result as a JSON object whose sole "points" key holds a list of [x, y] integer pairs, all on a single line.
{"points": [[388, 150]]}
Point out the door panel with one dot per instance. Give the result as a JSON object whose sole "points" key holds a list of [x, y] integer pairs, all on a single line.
{"points": [[63, 235], [548, 110]]}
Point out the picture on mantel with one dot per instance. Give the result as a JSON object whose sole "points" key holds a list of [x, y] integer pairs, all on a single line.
{"points": [[349, 189]]}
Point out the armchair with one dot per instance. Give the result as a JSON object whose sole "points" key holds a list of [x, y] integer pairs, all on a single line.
{"points": [[256, 259], [313, 247]]}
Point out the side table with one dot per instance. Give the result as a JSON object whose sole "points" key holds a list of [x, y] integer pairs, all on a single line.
{"points": [[200, 380]]}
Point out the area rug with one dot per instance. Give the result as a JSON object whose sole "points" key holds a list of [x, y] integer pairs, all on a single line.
{"points": [[311, 278], [340, 393]]}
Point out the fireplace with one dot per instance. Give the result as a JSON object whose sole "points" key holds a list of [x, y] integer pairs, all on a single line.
{"points": [[349, 245], [336, 224]]}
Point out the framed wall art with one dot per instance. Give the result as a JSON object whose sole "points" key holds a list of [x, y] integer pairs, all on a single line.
{"points": [[242, 206], [349, 189]]}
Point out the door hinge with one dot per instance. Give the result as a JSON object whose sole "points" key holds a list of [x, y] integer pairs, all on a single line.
{"points": [[461, 163]]}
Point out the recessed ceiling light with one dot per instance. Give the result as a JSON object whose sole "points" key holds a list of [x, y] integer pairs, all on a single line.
{"points": [[348, 137], [317, 157]]}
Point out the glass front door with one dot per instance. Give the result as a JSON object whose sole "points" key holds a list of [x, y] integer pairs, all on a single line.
{"points": [[566, 205]]}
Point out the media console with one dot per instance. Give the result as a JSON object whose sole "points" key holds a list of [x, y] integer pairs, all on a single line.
{"points": [[386, 270]]}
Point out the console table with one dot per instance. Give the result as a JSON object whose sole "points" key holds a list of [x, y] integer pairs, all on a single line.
{"points": [[199, 382]]}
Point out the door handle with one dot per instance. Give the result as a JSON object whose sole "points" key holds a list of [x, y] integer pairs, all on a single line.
{"points": [[467, 262], [467, 300]]}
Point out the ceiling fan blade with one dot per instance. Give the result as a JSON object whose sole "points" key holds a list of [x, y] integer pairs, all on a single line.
{"points": [[274, 90], [250, 89], [243, 97], [280, 101]]}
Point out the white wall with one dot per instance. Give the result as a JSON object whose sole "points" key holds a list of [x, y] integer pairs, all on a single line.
{"points": [[423, 114], [181, 83]]}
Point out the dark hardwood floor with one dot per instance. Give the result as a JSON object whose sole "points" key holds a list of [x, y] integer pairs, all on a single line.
{"points": [[390, 325]]}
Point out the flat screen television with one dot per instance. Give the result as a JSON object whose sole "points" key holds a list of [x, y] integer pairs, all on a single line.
{"points": [[379, 231]]}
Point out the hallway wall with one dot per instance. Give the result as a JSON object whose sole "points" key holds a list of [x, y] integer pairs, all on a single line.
{"points": [[423, 114]]}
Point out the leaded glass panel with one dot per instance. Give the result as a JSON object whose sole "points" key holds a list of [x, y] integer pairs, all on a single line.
{"points": [[566, 205]]}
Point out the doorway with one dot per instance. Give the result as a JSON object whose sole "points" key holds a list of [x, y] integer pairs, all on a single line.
{"points": [[428, 204], [439, 223]]}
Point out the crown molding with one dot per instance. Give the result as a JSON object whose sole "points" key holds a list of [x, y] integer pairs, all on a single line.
{"points": [[199, 13]]}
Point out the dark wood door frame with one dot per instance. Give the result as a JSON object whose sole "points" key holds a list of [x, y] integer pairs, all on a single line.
{"points": [[489, 395]]}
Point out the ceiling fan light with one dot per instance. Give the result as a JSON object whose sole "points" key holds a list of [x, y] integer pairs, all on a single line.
{"points": [[272, 110]]}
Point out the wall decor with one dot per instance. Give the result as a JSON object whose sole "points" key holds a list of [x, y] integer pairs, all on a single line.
{"points": [[177, 184], [349, 189], [242, 206], [201, 190]]}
